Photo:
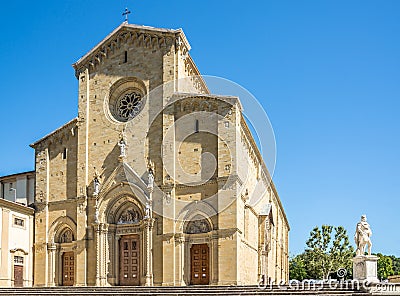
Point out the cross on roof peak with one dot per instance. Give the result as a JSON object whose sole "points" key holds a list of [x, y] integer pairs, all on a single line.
{"points": [[126, 14]]}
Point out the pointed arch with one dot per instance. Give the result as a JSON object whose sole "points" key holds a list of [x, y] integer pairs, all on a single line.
{"points": [[198, 224], [113, 201], [59, 226], [124, 204], [196, 210]]}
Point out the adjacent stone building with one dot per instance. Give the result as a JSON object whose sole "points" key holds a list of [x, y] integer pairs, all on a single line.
{"points": [[154, 182]]}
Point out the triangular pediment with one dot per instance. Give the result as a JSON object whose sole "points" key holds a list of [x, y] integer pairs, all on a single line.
{"points": [[145, 36]]}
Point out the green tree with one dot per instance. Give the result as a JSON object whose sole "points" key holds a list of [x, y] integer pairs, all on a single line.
{"points": [[297, 268], [385, 266], [328, 249], [396, 264]]}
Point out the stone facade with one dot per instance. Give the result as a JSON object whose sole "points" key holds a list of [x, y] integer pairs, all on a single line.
{"points": [[154, 177]]}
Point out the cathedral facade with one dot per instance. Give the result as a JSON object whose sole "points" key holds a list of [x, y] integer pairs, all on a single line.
{"points": [[153, 182]]}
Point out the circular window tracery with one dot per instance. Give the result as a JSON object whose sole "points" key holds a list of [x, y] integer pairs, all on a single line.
{"points": [[127, 98], [129, 105]]}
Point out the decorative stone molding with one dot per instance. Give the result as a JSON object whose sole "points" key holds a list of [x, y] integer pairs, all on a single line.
{"points": [[16, 250], [198, 226], [129, 228], [179, 238], [194, 74], [59, 135], [129, 216], [40, 206], [40, 248], [139, 36]]}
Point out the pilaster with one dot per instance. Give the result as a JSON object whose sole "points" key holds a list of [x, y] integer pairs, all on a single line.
{"points": [[148, 225], [51, 249], [180, 264]]}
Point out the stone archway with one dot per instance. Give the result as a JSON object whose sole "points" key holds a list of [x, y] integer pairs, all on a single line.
{"points": [[198, 249], [122, 220], [196, 228], [62, 249], [126, 242]]}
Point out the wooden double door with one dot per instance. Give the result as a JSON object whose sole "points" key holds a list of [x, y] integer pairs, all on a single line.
{"points": [[129, 260], [68, 273], [200, 264]]}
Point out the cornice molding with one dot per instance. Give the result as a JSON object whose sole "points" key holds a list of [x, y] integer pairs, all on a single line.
{"points": [[251, 145], [16, 207], [141, 36], [64, 131]]}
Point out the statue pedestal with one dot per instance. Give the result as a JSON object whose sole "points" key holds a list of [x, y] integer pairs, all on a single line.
{"points": [[365, 267]]}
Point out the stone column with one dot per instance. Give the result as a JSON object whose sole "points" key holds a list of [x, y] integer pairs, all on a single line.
{"points": [[264, 265], [214, 238], [51, 247], [116, 259], [180, 241], [97, 228], [101, 232], [105, 255], [148, 224]]}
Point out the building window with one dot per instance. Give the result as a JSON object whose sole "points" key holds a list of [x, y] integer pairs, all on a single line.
{"points": [[19, 222], [126, 57], [18, 260], [64, 153]]}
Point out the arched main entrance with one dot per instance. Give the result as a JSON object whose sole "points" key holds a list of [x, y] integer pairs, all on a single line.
{"points": [[197, 230], [200, 264], [129, 260], [124, 242]]}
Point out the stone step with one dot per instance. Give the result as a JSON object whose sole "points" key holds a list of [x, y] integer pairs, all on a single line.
{"points": [[175, 291]]}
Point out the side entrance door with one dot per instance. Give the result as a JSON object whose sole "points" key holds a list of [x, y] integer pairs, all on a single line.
{"points": [[68, 260], [18, 276], [129, 263], [200, 265]]}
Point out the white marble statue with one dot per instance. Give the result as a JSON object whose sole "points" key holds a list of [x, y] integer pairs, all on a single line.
{"points": [[96, 215], [96, 185], [362, 236], [148, 210], [151, 179], [122, 146]]}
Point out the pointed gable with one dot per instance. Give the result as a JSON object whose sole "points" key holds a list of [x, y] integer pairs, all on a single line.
{"points": [[123, 173], [145, 36]]}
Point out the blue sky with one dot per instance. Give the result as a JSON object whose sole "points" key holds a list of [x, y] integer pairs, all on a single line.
{"points": [[326, 72]]}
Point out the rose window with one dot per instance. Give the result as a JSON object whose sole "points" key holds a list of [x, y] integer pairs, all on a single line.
{"points": [[128, 106]]}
